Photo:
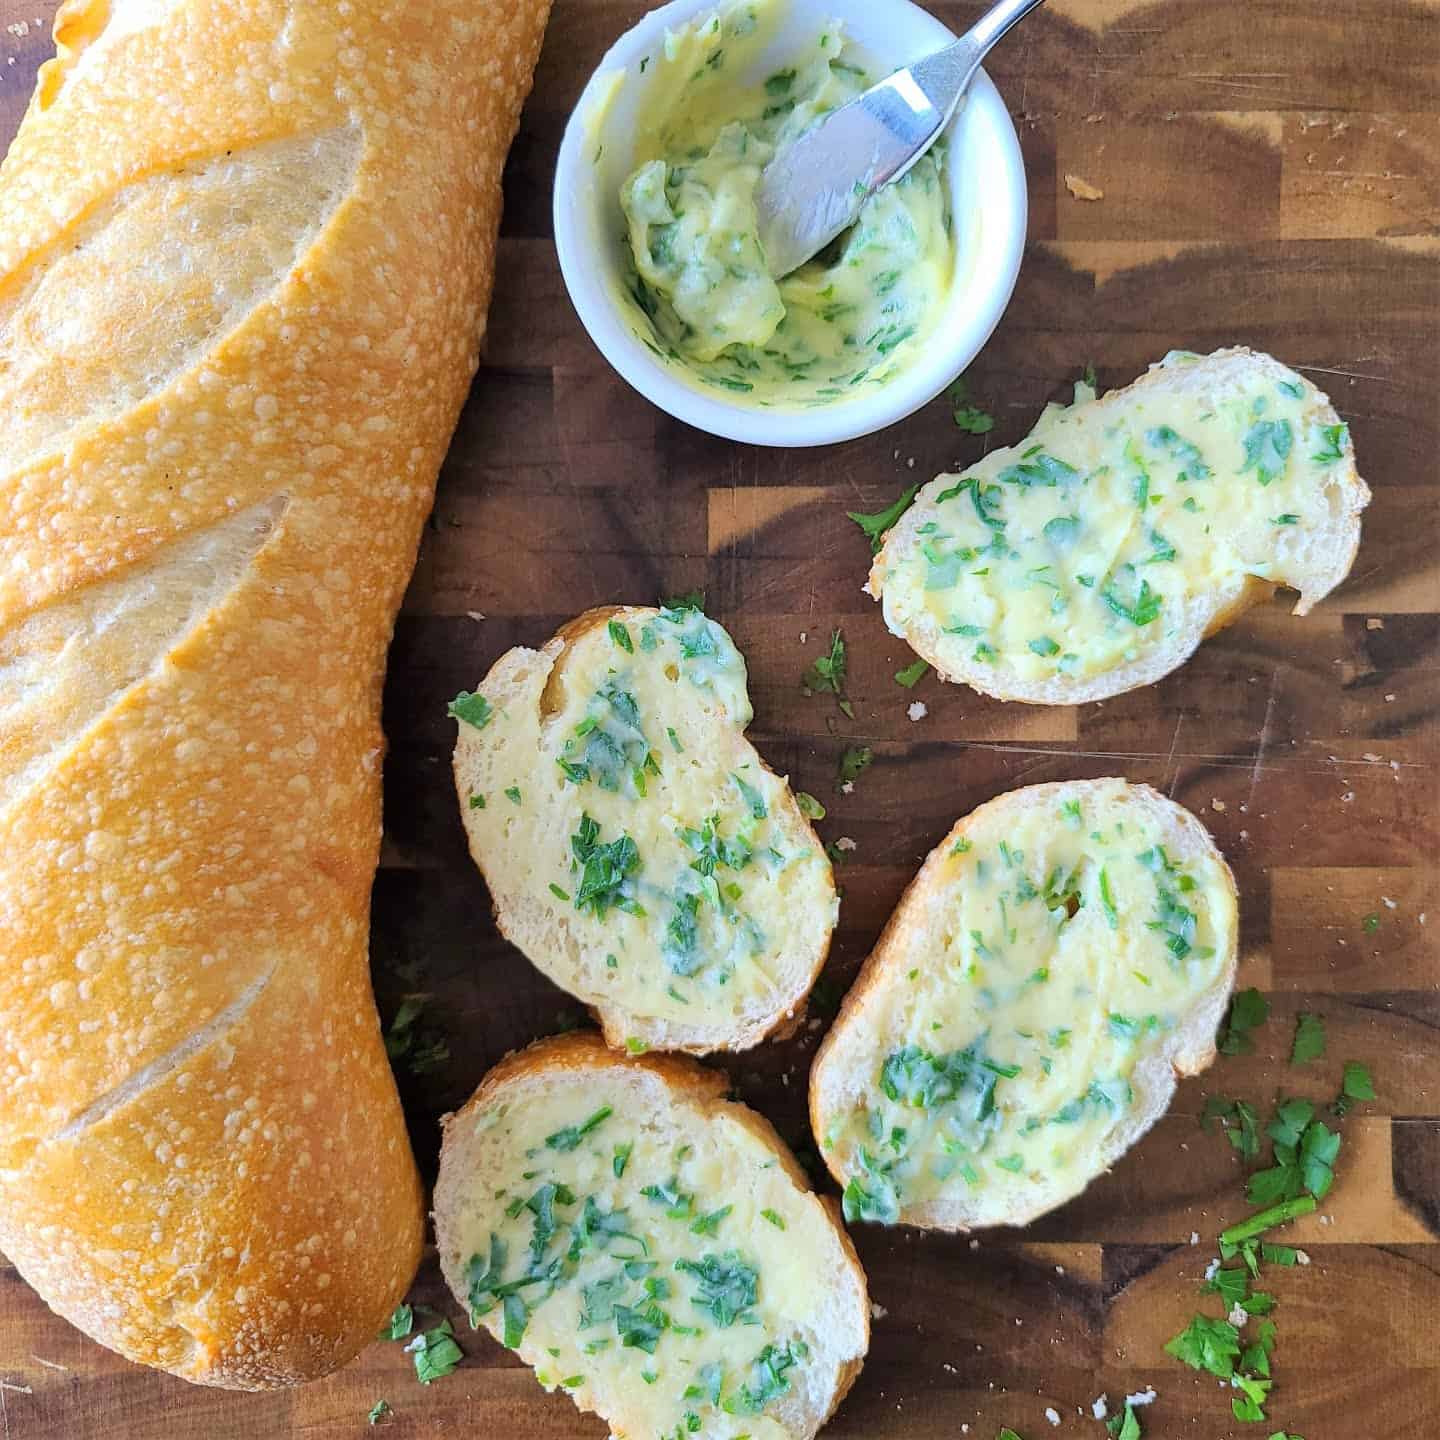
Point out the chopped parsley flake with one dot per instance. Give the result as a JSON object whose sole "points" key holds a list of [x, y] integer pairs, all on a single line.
{"points": [[474, 710], [877, 524]]}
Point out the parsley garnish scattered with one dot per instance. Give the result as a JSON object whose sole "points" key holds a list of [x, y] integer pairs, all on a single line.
{"points": [[970, 418], [1248, 1010], [1370, 924], [436, 1353], [1131, 597], [513, 794], [570, 1137], [810, 807], [828, 674], [605, 871], [399, 1325], [877, 524], [1309, 1039], [1267, 449], [911, 675], [754, 800], [472, 709], [1125, 1426], [855, 759], [1336, 438], [1357, 1085], [379, 1411], [423, 1049], [726, 1287]]}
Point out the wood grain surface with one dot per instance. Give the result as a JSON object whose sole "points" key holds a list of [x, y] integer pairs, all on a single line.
{"points": [[1269, 178]]}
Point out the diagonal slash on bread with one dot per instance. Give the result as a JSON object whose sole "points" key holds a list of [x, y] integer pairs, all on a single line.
{"points": [[637, 848], [1063, 955], [1094, 556], [649, 1247]]}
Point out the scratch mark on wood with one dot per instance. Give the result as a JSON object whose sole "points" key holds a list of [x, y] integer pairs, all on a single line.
{"points": [[1264, 740], [1170, 759]]}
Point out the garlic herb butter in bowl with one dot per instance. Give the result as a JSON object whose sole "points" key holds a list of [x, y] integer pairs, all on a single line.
{"points": [[656, 225]]}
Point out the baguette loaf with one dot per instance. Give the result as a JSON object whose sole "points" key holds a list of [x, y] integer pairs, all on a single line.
{"points": [[636, 846], [1094, 557], [246, 249], [1063, 954], [648, 1246]]}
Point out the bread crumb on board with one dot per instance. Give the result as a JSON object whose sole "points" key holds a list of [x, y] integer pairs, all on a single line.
{"points": [[1083, 189]]}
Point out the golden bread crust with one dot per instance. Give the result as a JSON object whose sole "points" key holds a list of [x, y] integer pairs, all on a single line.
{"points": [[203, 1162]]}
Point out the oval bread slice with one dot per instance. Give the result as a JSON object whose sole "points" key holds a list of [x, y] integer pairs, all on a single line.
{"points": [[637, 848], [652, 1249], [1062, 955], [1095, 556]]}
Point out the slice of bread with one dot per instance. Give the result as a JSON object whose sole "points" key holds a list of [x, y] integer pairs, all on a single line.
{"points": [[637, 848], [1062, 955], [1094, 557], [649, 1247]]}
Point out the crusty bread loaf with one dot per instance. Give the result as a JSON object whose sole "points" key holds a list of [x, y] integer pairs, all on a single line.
{"points": [[246, 249], [1095, 555], [628, 730], [648, 1246], [1063, 954]]}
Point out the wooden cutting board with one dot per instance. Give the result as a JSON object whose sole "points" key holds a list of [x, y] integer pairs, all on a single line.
{"points": [[1268, 177]]}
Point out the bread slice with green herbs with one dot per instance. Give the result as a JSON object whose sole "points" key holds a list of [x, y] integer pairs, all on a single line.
{"points": [[637, 848], [648, 1247], [1094, 557], [1061, 957]]}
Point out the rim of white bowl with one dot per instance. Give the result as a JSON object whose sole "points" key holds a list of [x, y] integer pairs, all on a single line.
{"points": [[987, 287]]}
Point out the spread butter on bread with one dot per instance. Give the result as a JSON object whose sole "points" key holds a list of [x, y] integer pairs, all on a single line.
{"points": [[246, 248], [1094, 556], [648, 1247], [1064, 953], [636, 846]]}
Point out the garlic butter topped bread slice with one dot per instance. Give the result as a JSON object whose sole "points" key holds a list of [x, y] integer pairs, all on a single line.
{"points": [[636, 847], [648, 1247], [1062, 955], [1094, 556]]}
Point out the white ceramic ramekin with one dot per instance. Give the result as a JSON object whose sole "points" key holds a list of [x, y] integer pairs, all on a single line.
{"points": [[987, 195]]}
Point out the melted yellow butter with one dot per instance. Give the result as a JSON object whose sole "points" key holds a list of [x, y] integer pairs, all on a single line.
{"points": [[692, 917], [1070, 946], [1078, 551], [854, 316], [676, 1196]]}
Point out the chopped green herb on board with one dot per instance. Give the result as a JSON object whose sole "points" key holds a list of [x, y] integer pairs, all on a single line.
{"points": [[379, 1411], [911, 675], [436, 1353], [477, 802], [1370, 924], [1309, 1039], [474, 710], [399, 1325], [1006, 1433], [691, 600], [512, 793], [810, 807], [877, 524], [1248, 1010], [1125, 1426], [827, 674], [852, 762], [1357, 1085], [422, 1049]]}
